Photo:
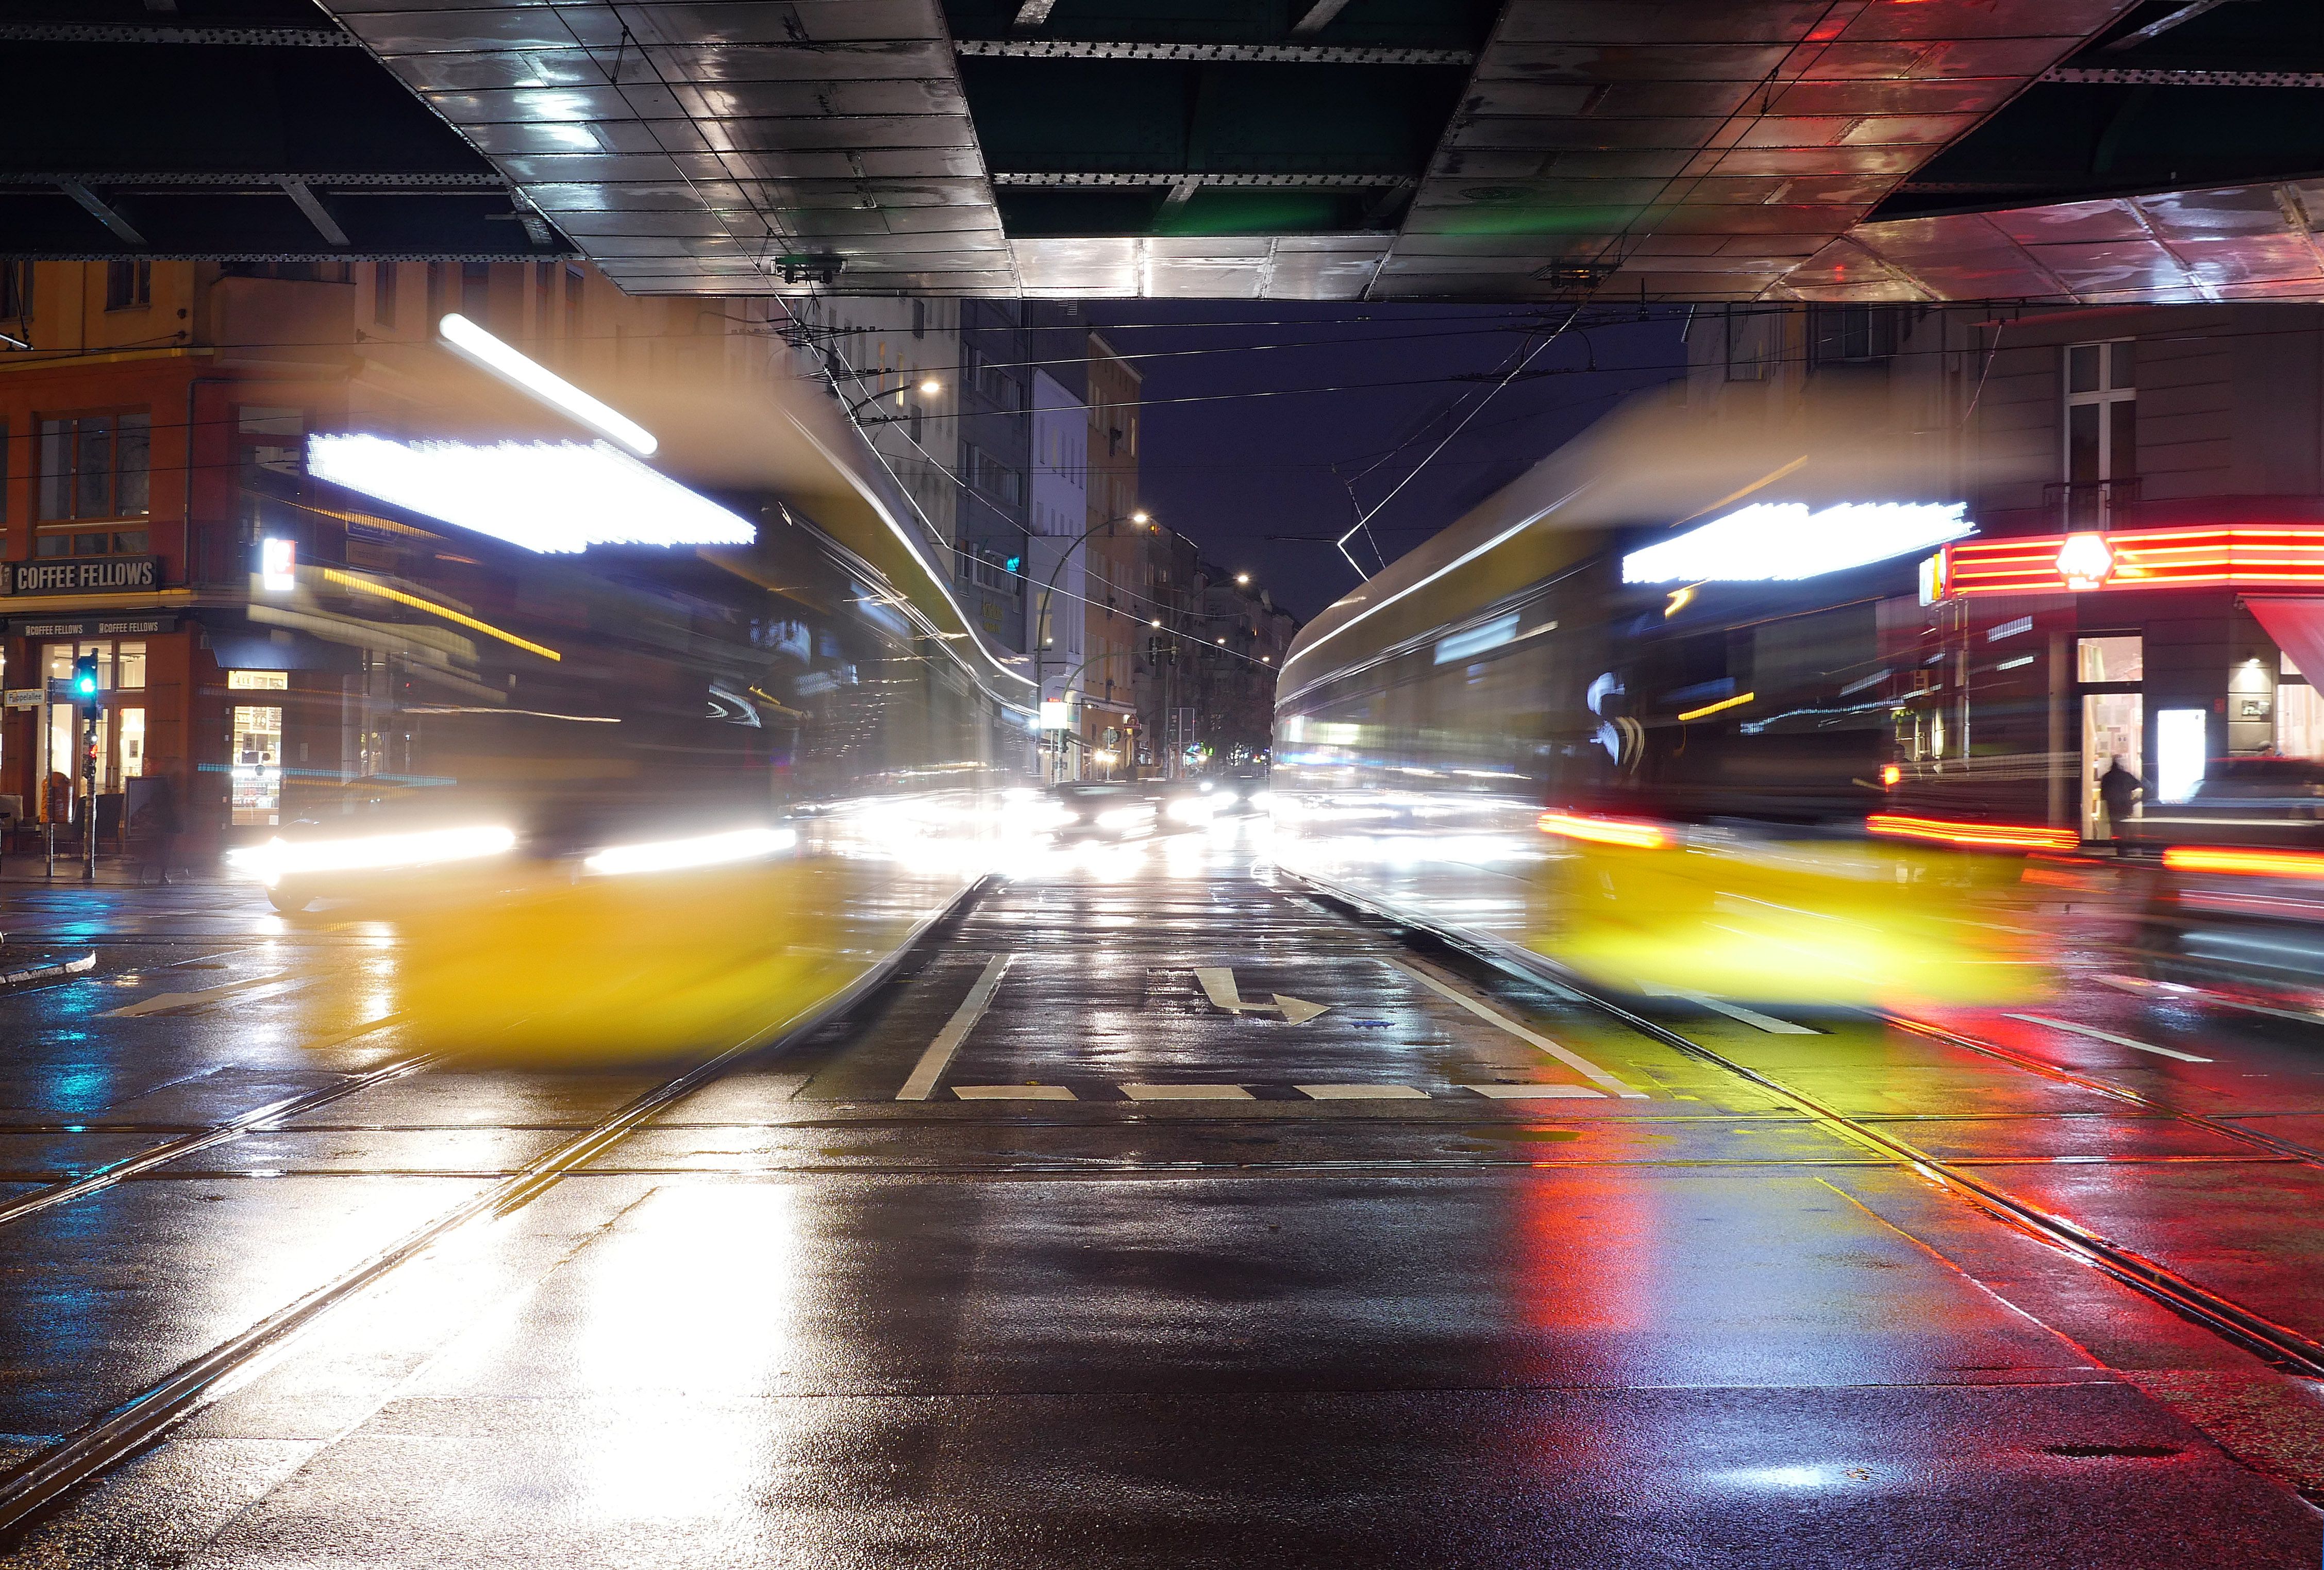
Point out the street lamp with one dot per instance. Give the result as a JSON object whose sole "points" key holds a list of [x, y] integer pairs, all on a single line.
{"points": [[1242, 579], [1040, 639], [928, 388]]}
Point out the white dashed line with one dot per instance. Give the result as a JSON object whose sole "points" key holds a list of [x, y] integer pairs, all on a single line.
{"points": [[1362, 1092], [1752, 1017], [1573, 1060], [1187, 1093], [1012, 1093], [939, 1055], [172, 1003], [2097, 1035], [1535, 1092]]}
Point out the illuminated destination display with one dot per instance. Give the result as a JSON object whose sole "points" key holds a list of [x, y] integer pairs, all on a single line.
{"points": [[1780, 542], [550, 497]]}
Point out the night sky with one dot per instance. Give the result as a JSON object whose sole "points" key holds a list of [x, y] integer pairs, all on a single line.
{"points": [[1240, 474]]}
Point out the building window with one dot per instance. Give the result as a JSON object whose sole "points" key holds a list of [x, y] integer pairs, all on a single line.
{"points": [[95, 466], [2100, 430], [128, 285], [1850, 335], [919, 318], [15, 291], [572, 300], [384, 277]]}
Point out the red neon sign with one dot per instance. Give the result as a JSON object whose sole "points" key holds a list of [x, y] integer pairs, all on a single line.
{"points": [[2237, 556]]}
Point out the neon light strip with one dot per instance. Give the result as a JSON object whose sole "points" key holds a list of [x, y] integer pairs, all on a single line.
{"points": [[1991, 836], [1619, 831], [2268, 863], [365, 586], [2146, 558], [1696, 714]]}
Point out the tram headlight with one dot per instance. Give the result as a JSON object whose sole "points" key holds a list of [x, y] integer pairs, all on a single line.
{"points": [[279, 858]]}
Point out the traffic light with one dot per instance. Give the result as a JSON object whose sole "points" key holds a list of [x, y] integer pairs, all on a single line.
{"points": [[84, 685]]}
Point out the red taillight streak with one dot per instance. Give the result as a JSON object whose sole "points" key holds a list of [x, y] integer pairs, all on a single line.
{"points": [[2265, 863], [1986, 835]]}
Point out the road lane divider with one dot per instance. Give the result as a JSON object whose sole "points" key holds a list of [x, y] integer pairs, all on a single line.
{"points": [[1493, 1016], [2097, 1035], [1013, 1093], [1751, 1017], [185, 1002], [1187, 1093], [921, 1083], [1362, 1092]]}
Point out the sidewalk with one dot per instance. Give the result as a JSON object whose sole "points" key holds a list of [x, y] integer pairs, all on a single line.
{"points": [[113, 871]]}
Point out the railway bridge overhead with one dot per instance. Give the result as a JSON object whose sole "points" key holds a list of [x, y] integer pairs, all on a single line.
{"points": [[1687, 149]]}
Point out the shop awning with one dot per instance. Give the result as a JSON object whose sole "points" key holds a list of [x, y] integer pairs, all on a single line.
{"points": [[2297, 625]]}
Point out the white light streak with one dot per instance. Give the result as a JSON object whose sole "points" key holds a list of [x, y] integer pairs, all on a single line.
{"points": [[278, 858], [1779, 541], [552, 497], [473, 344], [709, 849]]}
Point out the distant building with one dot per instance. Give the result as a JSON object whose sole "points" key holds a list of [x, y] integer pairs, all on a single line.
{"points": [[2114, 603], [1113, 565], [1055, 573]]}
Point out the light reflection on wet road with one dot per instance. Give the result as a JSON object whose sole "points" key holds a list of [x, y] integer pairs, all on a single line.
{"points": [[1178, 1283]]}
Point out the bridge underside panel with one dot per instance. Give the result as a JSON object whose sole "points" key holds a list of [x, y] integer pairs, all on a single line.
{"points": [[1281, 149]]}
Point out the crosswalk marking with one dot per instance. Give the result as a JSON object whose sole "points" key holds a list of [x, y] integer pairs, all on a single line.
{"points": [[1012, 1093], [1362, 1092], [922, 1082], [1535, 1092], [1187, 1093], [1485, 1012]]}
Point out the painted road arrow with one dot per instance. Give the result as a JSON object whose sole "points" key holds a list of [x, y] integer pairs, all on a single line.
{"points": [[1219, 986]]}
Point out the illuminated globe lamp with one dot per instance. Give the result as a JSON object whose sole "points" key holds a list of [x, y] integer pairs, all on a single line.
{"points": [[2084, 562]]}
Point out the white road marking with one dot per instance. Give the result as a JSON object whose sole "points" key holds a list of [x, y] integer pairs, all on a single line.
{"points": [[1218, 984], [1187, 1093], [170, 1003], [1012, 1093], [2107, 1036], [1534, 1092], [1752, 1017], [1573, 1060], [922, 1082], [1362, 1092]]}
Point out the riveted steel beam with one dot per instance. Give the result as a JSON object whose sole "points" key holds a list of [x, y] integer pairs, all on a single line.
{"points": [[1207, 53]]}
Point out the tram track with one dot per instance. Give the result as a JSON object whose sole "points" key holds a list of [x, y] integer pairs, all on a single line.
{"points": [[2280, 1345], [2276, 1344], [45, 1479]]}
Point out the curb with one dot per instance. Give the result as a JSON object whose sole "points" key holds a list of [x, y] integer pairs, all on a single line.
{"points": [[87, 962]]}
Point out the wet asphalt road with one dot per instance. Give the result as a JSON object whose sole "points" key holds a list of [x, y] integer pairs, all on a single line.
{"points": [[1457, 1271]]}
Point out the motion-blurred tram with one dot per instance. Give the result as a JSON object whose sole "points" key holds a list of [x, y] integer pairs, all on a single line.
{"points": [[1632, 718], [636, 799]]}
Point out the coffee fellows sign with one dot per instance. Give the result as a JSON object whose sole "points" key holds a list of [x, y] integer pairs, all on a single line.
{"points": [[84, 575]]}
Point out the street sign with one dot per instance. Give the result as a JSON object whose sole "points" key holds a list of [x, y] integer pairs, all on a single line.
{"points": [[1053, 715], [24, 698]]}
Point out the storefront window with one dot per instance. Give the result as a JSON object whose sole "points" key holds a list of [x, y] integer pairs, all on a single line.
{"points": [[120, 732], [131, 745], [257, 767], [2113, 658]]}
